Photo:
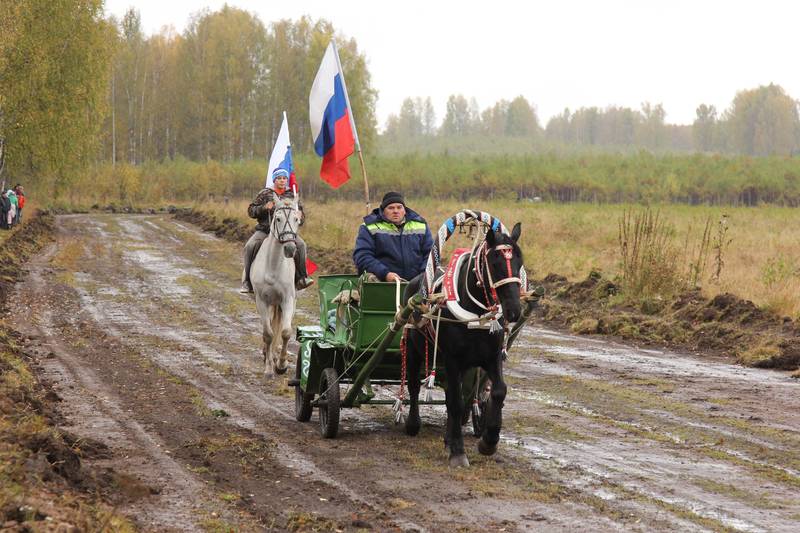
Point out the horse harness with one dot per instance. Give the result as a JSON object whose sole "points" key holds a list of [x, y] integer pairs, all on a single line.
{"points": [[489, 301], [281, 233], [482, 254], [477, 262]]}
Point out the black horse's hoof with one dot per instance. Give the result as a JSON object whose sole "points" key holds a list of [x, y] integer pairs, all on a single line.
{"points": [[486, 449], [412, 428], [459, 461], [281, 370]]}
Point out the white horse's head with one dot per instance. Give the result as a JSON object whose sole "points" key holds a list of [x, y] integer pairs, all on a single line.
{"points": [[285, 221]]}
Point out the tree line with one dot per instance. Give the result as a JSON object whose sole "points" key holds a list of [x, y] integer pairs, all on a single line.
{"points": [[81, 91], [759, 122], [78, 88], [639, 177], [219, 89]]}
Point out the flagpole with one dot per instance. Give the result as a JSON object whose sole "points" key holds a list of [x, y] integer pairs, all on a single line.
{"points": [[353, 127]]}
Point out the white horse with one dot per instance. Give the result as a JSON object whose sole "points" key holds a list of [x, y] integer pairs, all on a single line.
{"points": [[272, 276]]}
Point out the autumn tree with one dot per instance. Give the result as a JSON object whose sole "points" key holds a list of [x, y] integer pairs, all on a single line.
{"points": [[521, 120], [459, 118], [219, 89], [494, 119], [652, 132], [703, 128], [416, 118], [54, 70], [763, 121], [223, 67]]}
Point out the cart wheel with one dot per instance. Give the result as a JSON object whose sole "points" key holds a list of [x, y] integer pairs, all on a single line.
{"points": [[302, 400], [329, 408]]}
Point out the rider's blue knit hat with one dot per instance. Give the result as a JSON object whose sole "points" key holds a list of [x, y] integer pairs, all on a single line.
{"points": [[280, 172]]}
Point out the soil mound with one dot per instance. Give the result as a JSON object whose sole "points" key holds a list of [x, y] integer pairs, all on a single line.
{"points": [[724, 324]]}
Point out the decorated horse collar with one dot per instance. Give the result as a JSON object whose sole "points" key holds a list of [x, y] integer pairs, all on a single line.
{"points": [[446, 230]]}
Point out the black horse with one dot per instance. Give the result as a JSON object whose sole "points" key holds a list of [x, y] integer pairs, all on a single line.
{"points": [[492, 277]]}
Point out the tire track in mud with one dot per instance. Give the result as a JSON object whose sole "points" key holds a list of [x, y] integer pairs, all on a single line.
{"points": [[95, 410], [643, 452], [667, 470]]}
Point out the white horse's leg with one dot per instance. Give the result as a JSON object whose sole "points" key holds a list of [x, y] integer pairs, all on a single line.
{"points": [[267, 334], [273, 349], [287, 312]]}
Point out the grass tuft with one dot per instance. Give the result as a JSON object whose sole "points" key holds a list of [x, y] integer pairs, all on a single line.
{"points": [[763, 355]]}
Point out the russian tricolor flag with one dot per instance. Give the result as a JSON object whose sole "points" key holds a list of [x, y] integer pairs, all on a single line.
{"points": [[331, 120], [282, 156]]}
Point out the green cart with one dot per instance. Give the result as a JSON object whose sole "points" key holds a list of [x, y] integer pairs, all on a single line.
{"points": [[356, 346]]}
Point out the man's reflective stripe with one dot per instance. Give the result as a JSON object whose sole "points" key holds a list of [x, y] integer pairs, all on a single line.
{"points": [[409, 228]]}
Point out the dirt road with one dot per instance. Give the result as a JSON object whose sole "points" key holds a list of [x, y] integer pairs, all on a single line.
{"points": [[138, 325]]}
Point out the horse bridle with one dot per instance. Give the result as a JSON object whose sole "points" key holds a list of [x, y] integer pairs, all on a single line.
{"points": [[282, 232], [483, 253]]}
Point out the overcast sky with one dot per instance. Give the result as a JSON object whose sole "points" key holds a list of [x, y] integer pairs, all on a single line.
{"points": [[557, 54]]}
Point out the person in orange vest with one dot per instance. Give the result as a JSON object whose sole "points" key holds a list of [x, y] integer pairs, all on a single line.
{"points": [[20, 190]]}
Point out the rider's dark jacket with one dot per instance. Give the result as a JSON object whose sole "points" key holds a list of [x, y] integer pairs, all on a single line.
{"points": [[383, 247], [259, 211]]}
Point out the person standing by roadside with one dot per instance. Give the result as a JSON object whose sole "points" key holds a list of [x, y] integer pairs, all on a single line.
{"points": [[12, 213], [20, 192], [5, 207]]}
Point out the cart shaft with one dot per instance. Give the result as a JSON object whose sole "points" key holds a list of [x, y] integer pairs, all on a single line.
{"points": [[399, 321]]}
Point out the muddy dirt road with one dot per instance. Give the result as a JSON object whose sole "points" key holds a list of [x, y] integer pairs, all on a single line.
{"points": [[137, 323]]}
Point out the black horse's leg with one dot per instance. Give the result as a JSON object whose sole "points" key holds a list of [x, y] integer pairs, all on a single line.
{"points": [[415, 345], [454, 438], [494, 409]]}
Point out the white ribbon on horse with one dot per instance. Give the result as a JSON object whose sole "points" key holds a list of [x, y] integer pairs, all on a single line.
{"points": [[431, 379], [399, 414]]}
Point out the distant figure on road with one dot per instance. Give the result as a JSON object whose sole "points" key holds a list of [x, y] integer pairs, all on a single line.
{"points": [[261, 209], [393, 242]]}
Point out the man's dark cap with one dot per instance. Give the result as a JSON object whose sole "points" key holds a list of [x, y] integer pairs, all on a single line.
{"points": [[392, 197]]}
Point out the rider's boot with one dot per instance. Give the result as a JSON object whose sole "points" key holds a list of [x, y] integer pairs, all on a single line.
{"points": [[303, 283]]}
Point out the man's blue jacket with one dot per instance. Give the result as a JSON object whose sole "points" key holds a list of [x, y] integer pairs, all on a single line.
{"points": [[383, 247]]}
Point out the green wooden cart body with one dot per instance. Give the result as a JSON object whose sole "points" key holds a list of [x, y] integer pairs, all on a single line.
{"points": [[349, 334]]}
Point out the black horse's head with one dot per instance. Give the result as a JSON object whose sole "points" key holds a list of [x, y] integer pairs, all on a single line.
{"points": [[503, 263]]}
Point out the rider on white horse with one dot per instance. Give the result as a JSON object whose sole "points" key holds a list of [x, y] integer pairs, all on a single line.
{"points": [[261, 209]]}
